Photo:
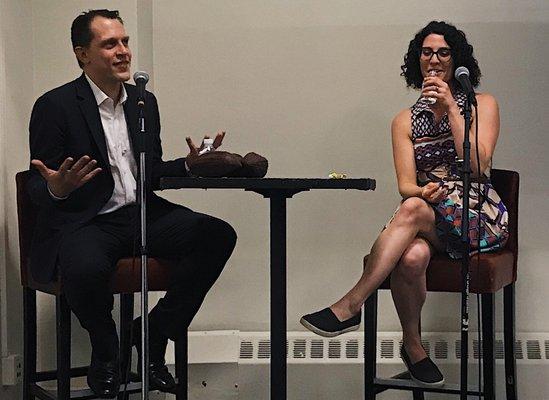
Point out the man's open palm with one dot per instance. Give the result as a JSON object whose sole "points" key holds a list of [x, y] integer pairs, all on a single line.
{"points": [[70, 176]]}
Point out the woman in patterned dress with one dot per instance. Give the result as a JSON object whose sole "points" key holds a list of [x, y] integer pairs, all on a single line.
{"points": [[427, 140]]}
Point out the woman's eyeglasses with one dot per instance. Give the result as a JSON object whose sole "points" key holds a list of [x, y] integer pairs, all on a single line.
{"points": [[443, 54]]}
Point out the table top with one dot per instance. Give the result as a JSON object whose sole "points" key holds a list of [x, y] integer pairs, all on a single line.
{"points": [[267, 183]]}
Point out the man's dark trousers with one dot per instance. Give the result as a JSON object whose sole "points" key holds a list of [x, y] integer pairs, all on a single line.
{"points": [[199, 244]]}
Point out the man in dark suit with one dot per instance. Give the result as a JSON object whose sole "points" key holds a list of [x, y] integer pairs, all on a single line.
{"points": [[83, 138]]}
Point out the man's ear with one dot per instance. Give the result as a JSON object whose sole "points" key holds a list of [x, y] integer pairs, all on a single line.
{"points": [[81, 54]]}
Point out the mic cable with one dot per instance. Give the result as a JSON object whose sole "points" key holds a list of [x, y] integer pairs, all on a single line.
{"points": [[480, 202]]}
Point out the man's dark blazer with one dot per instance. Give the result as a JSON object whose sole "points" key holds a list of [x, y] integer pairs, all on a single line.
{"points": [[65, 122]]}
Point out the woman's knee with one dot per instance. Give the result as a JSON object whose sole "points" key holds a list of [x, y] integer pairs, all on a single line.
{"points": [[413, 263], [413, 211]]}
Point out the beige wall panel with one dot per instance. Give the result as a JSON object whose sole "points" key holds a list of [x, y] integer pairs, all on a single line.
{"points": [[16, 70]]}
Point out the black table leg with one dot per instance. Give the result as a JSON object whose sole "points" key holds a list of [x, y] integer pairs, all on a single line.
{"points": [[278, 298]]}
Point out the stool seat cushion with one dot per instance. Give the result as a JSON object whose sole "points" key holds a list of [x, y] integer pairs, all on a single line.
{"points": [[126, 279]]}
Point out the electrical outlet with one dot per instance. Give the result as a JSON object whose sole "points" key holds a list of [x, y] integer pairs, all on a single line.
{"points": [[12, 370]]}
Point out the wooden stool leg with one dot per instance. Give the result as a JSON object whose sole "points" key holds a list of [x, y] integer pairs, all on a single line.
{"points": [[509, 341], [181, 365], [488, 345], [63, 329], [126, 318], [29, 347], [370, 343]]}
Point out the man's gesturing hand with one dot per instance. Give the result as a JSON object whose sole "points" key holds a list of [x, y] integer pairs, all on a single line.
{"points": [[70, 176], [193, 150]]}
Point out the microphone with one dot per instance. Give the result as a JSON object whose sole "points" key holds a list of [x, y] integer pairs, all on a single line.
{"points": [[141, 78], [462, 76]]}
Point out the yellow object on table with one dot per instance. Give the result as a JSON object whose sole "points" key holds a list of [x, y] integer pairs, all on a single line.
{"points": [[337, 175]]}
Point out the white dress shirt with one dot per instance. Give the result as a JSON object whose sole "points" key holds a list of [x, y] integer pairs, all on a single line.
{"points": [[121, 160]]}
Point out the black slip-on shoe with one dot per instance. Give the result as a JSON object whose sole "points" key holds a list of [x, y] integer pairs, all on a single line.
{"points": [[325, 323], [424, 372]]}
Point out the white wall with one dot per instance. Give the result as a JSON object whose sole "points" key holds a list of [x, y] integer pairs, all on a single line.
{"points": [[16, 93], [312, 85]]}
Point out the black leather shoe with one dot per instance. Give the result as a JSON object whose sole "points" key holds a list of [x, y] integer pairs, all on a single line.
{"points": [[325, 323], [104, 378], [159, 376], [424, 372]]}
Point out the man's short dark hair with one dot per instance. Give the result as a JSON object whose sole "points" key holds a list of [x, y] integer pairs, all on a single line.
{"points": [[462, 53], [81, 34]]}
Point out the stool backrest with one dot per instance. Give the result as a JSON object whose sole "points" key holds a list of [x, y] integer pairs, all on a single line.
{"points": [[506, 184], [27, 213]]}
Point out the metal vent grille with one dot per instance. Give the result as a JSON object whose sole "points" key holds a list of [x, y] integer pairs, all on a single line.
{"points": [[533, 350], [317, 349], [387, 348], [518, 350], [334, 349], [458, 349], [427, 346], [477, 350], [264, 349], [299, 348], [246, 350], [308, 348], [500, 351], [441, 350], [351, 349]]}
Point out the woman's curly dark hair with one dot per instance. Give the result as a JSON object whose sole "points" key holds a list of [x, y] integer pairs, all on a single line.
{"points": [[462, 53]]}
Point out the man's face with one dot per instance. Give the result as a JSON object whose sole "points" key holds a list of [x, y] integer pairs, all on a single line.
{"points": [[107, 59]]}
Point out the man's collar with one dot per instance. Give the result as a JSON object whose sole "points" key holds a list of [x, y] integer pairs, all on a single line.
{"points": [[100, 96]]}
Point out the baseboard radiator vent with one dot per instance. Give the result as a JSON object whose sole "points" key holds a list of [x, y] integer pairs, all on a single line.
{"points": [[307, 348]]}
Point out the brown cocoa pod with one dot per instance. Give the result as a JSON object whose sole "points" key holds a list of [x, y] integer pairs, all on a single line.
{"points": [[253, 166], [216, 164]]}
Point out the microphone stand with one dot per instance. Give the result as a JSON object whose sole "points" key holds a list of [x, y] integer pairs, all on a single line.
{"points": [[465, 260], [142, 199]]}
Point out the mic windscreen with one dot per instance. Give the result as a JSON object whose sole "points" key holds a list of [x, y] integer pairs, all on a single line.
{"points": [[460, 71], [141, 76]]}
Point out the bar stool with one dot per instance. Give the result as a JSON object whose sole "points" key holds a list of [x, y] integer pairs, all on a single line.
{"points": [[495, 271], [125, 282]]}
